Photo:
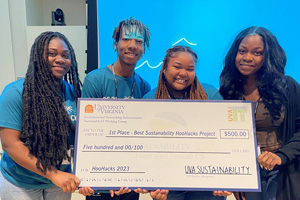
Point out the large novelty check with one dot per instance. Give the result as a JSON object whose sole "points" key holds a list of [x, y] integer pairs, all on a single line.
{"points": [[176, 145]]}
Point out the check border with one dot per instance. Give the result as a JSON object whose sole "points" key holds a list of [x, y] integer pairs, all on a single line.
{"points": [[81, 100]]}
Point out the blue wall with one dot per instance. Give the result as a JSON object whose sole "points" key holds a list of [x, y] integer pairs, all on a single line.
{"points": [[209, 27]]}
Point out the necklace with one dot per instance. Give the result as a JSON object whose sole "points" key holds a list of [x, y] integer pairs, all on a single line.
{"points": [[256, 104], [116, 83], [184, 96]]}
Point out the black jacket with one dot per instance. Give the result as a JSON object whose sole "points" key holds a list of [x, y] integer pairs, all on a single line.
{"points": [[289, 174]]}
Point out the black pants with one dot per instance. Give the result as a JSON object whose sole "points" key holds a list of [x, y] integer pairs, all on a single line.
{"points": [[106, 196]]}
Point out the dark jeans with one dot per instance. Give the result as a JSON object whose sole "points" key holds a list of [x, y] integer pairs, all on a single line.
{"points": [[268, 186], [106, 196], [182, 195]]}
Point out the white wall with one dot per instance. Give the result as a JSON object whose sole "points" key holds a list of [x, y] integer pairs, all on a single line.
{"points": [[17, 13], [35, 8], [6, 51]]}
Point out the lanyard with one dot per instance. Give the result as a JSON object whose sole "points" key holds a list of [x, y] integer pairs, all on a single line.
{"points": [[256, 104], [116, 83]]}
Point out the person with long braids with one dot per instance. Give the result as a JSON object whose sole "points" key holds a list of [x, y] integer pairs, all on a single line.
{"points": [[178, 80], [254, 70], [37, 123]]}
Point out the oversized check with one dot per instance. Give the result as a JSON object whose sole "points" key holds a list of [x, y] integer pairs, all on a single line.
{"points": [[176, 145]]}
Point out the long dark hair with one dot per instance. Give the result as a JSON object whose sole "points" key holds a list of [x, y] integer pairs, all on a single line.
{"points": [[195, 91], [271, 82], [46, 123]]}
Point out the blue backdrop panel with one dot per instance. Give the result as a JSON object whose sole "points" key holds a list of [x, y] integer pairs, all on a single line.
{"points": [[207, 26]]}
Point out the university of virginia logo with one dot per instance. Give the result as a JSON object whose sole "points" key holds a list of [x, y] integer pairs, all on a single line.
{"points": [[235, 115], [89, 109]]}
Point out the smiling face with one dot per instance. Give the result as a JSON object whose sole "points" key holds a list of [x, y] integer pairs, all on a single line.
{"points": [[250, 55], [59, 58], [179, 73], [130, 46]]}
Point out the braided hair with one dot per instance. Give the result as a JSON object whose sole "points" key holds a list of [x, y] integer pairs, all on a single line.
{"points": [[127, 24], [46, 123], [194, 91]]}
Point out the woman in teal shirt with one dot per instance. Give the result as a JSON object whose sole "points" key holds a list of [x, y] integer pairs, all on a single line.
{"points": [[37, 124], [178, 80]]}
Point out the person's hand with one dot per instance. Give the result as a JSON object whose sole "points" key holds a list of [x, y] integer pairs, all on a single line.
{"points": [[66, 181], [142, 191], [121, 191], [222, 193], [239, 195], [86, 191], [268, 160], [155, 194], [159, 194]]}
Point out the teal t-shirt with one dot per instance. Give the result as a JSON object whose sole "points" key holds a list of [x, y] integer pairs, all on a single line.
{"points": [[11, 113], [211, 92], [100, 83]]}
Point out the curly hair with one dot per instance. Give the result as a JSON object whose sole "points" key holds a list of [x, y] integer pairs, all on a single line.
{"points": [[129, 23], [271, 82], [46, 123], [195, 91]]}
